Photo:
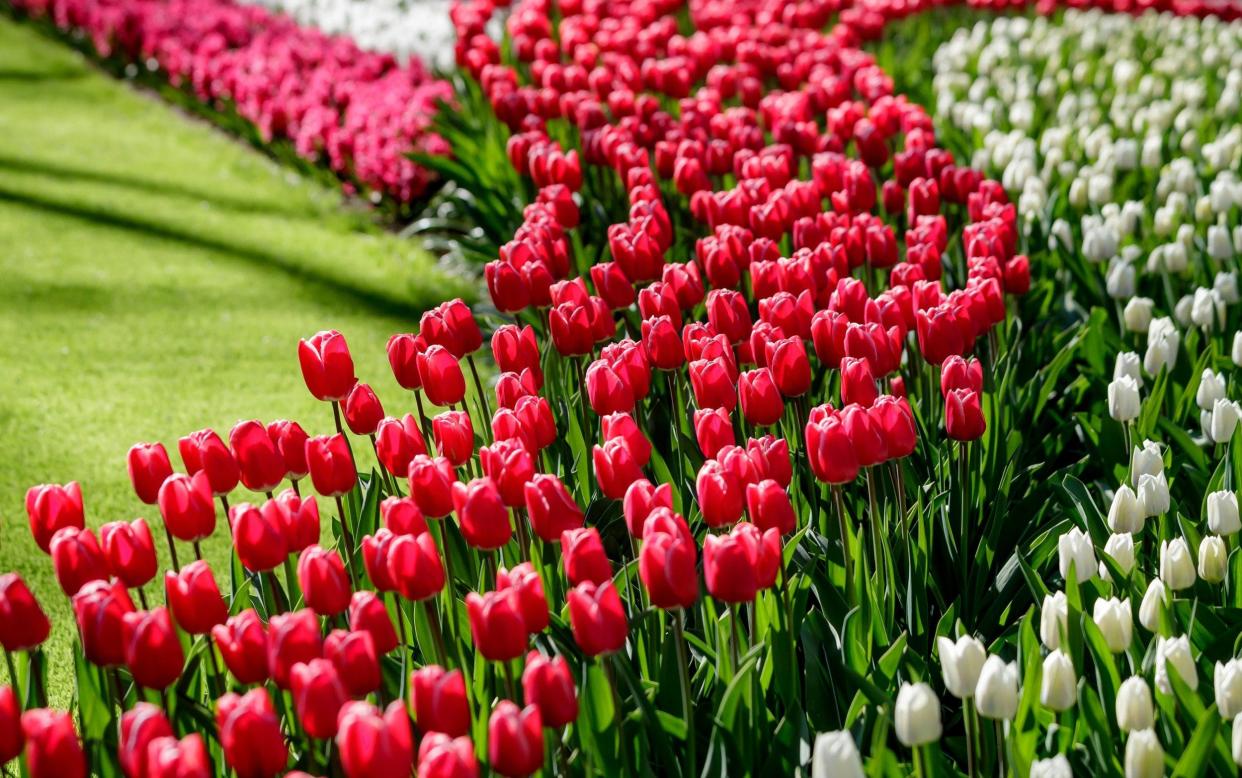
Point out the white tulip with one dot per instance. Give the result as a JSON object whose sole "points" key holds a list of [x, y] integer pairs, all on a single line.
{"points": [[1153, 494], [1237, 739], [1154, 599], [1175, 652], [1129, 364], [1126, 514], [1235, 351], [1224, 420], [1058, 689], [1134, 706], [1144, 756], [1163, 342], [1137, 314], [1119, 282], [1060, 237], [1219, 246], [961, 662], [1124, 403], [1213, 559], [1055, 767], [1226, 285], [1053, 619], [1211, 388], [836, 756], [1207, 309], [996, 694], [917, 715], [1119, 546], [1146, 460], [1074, 547], [1227, 682], [1115, 621], [1184, 309], [1177, 566], [1222, 510]]}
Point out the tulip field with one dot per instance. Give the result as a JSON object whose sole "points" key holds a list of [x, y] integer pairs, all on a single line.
{"points": [[806, 387]]}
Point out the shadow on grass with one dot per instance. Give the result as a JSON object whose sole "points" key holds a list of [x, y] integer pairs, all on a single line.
{"points": [[60, 171], [44, 75], [334, 288]]}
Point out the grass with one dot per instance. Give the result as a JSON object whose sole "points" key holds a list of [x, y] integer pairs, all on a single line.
{"points": [[154, 279]]}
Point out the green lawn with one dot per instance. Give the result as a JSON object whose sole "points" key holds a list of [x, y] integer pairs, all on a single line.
{"points": [[154, 279]]}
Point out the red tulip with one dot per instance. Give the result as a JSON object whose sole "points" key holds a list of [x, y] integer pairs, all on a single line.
{"points": [[129, 551], [791, 369], [597, 618], [941, 333], [713, 381], [12, 739], [870, 445], [739, 564], [204, 450], [548, 685], [52, 747], [242, 641], [584, 556], [857, 382], [152, 648], [607, 389], [511, 467], [535, 414], [721, 496], [140, 726], [23, 624], [509, 291], [258, 536], [452, 325], [290, 441], [454, 436], [761, 400], [770, 455], [511, 387], [100, 608], [403, 351], [363, 410], [375, 550], [397, 441], [768, 505], [324, 582], [52, 507], [516, 350], [524, 581], [829, 449], [331, 465], [666, 565], [441, 756], [77, 559], [374, 745], [261, 464], [318, 695], [896, 422], [828, 330], [959, 373], [481, 514], [550, 507], [292, 638], [612, 285], [515, 740], [441, 375], [250, 734], [297, 518], [187, 506], [727, 314], [431, 485], [368, 614], [148, 467], [570, 325], [496, 624], [641, 498], [327, 367], [662, 343], [414, 566], [168, 757], [401, 516], [621, 426], [963, 417], [194, 598], [615, 468], [439, 700]]}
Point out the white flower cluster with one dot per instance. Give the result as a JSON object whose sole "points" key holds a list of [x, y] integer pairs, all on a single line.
{"points": [[404, 28]]}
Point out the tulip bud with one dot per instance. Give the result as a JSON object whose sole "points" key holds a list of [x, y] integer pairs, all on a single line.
{"points": [[836, 756], [100, 608], [77, 559], [1053, 620], [431, 485], [623, 427], [1175, 652], [148, 469], [140, 726], [963, 417], [292, 638], [195, 598], [768, 506], [916, 716], [1153, 494], [548, 685], [1227, 683], [1055, 767], [1213, 559], [515, 740], [829, 449], [857, 382], [1128, 363], [363, 410], [1115, 620], [1144, 756], [1154, 600], [129, 551], [52, 746], [242, 641], [331, 464], [961, 663], [1224, 420], [496, 624], [290, 441], [1177, 566], [1125, 514], [551, 507], [324, 582], [761, 400], [1058, 688], [1134, 706], [250, 734], [527, 586], [23, 624], [996, 693], [1222, 510], [258, 537], [52, 507], [1074, 549], [584, 556], [368, 614], [1120, 547], [597, 618], [327, 366], [481, 514], [713, 429], [356, 662], [261, 465], [1124, 402], [1137, 314]]}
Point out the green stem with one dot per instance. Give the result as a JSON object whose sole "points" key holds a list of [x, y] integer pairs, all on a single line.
{"points": [[437, 637], [845, 542], [687, 703], [346, 546]]}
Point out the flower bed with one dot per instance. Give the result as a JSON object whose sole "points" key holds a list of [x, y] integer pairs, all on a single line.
{"points": [[357, 113]]}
